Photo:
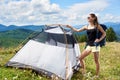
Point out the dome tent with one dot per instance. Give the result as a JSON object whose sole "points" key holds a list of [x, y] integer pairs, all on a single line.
{"points": [[54, 51]]}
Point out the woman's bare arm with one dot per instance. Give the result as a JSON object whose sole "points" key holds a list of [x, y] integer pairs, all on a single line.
{"points": [[102, 31], [74, 29], [77, 30]]}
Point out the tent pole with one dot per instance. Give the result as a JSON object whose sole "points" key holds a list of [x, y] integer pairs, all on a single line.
{"points": [[20, 45], [67, 58]]}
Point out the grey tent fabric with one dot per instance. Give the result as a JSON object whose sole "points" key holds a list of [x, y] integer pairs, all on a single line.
{"points": [[46, 53]]}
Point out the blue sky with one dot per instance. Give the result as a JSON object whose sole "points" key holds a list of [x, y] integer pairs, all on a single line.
{"points": [[74, 12], [66, 3], [114, 5]]}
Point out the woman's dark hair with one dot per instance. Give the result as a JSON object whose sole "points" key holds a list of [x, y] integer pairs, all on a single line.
{"points": [[96, 23]]}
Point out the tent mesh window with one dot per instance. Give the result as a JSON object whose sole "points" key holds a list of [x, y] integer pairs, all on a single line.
{"points": [[55, 39]]}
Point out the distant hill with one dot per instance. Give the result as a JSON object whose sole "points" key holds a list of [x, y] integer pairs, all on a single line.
{"points": [[5, 28], [12, 38], [13, 35], [13, 27], [115, 26]]}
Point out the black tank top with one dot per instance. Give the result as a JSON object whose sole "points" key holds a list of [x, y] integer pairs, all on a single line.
{"points": [[91, 35]]}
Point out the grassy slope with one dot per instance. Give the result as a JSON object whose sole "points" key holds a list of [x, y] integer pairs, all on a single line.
{"points": [[13, 38], [109, 61], [109, 64]]}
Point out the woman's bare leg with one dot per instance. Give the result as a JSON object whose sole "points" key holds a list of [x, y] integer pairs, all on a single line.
{"points": [[83, 55], [96, 58]]}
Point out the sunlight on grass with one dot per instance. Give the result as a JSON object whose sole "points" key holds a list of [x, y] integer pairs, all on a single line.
{"points": [[109, 66], [109, 63]]}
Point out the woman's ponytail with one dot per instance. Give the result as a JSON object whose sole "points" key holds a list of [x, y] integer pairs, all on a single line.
{"points": [[96, 23]]}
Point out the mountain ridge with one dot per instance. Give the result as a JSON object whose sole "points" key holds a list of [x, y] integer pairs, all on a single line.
{"points": [[13, 27], [34, 27]]}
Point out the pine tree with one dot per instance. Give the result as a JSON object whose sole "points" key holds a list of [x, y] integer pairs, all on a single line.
{"points": [[111, 35]]}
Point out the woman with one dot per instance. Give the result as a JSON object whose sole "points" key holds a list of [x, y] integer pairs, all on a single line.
{"points": [[91, 29]]}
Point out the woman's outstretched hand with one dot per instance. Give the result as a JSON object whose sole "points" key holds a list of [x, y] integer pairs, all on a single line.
{"points": [[68, 26]]}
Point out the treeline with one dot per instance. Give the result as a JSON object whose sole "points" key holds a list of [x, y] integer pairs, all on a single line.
{"points": [[13, 38], [110, 36]]}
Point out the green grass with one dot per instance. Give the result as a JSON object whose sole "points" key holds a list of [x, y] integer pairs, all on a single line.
{"points": [[15, 73], [109, 66]]}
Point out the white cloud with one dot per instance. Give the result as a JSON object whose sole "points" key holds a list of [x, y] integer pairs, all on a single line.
{"points": [[26, 12], [43, 12], [91, 6], [78, 12], [110, 18]]}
